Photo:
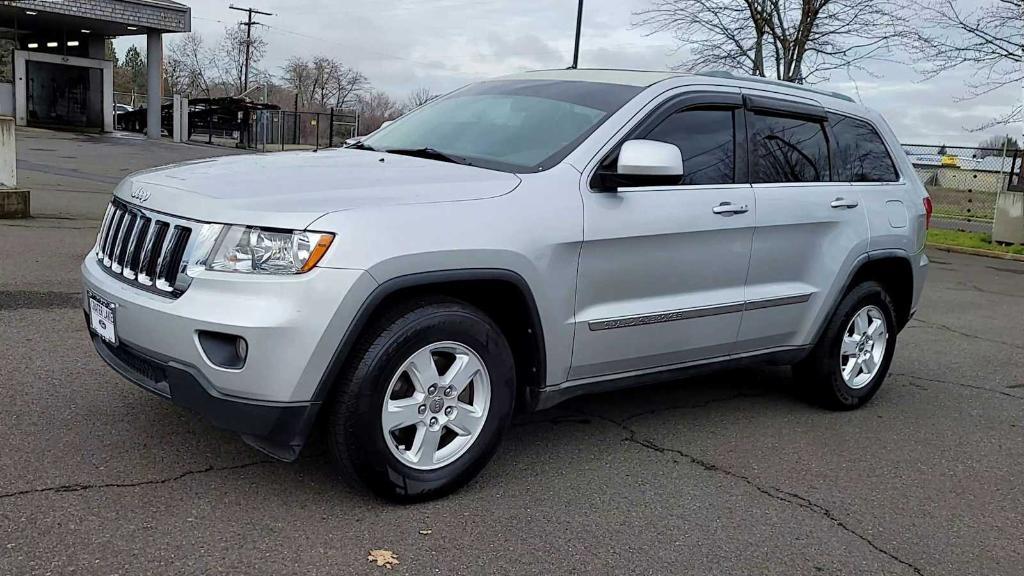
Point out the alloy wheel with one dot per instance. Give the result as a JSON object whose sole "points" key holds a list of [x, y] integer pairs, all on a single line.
{"points": [[863, 347], [436, 405]]}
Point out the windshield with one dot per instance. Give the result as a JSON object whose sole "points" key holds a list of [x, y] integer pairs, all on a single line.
{"points": [[508, 125]]}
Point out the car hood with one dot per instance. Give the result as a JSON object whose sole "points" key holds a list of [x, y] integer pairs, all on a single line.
{"points": [[292, 189]]}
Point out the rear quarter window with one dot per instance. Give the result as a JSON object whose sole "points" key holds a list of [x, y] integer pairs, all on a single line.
{"points": [[861, 155]]}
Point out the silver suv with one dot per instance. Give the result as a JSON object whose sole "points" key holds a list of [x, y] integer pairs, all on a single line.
{"points": [[511, 245]]}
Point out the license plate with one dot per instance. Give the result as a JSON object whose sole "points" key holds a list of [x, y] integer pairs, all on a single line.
{"points": [[102, 318]]}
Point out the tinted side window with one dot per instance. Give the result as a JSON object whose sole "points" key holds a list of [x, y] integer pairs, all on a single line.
{"points": [[706, 138], [861, 153], [787, 150]]}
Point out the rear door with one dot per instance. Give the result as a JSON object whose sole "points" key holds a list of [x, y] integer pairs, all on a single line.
{"points": [[662, 267], [891, 205], [810, 227]]}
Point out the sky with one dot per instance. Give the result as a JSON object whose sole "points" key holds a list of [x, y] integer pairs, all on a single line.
{"points": [[403, 45]]}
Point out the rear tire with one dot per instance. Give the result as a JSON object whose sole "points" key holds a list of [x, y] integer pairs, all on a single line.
{"points": [[851, 359], [424, 400]]}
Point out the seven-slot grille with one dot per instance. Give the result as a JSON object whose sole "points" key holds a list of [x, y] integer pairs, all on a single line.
{"points": [[146, 249]]}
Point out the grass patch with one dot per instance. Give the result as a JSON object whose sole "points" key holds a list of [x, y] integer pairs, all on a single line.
{"points": [[978, 240]]}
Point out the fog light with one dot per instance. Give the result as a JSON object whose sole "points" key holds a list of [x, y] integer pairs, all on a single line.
{"points": [[224, 350], [242, 348]]}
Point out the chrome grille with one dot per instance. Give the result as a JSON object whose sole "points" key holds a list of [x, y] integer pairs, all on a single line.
{"points": [[151, 250]]}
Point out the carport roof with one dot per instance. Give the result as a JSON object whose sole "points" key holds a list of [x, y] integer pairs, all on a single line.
{"points": [[102, 17]]}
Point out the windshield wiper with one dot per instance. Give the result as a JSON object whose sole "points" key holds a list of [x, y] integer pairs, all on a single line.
{"points": [[360, 145], [430, 154]]}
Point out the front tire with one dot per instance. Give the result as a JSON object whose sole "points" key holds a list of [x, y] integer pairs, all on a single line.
{"points": [[851, 359], [424, 401]]}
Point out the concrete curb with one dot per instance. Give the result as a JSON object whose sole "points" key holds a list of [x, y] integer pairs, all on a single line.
{"points": [[977, 252]]}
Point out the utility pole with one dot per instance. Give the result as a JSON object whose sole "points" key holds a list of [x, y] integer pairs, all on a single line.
{"points": [[579, 28], [248, 38]]}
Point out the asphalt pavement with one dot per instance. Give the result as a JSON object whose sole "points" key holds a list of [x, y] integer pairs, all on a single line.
{"points": [[728, 474]]}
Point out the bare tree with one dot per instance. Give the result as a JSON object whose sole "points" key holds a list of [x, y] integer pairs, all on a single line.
{"points": [[375, 108], [988, 40], [187, 64], [791, 40], [297, 75], [230, 57], [324, 82], [419, 97], [348, 85], [996, 146]]}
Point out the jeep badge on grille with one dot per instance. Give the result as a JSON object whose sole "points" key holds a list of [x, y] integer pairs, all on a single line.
{"points": [[140, 194]]}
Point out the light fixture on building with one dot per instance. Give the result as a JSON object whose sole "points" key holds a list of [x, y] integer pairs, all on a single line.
{"points": [[133, 27], [84, 31], [31, 13], [33, 45], [73, 43], [52, 44]]}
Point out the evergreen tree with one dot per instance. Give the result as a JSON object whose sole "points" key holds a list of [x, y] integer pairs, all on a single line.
{"points": [[135, 66]]}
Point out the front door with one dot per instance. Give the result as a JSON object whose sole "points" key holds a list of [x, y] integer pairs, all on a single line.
{"points": [[662, 268]]}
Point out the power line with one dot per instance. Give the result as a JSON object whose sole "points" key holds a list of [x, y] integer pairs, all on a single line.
{"points": [[248, 39]]}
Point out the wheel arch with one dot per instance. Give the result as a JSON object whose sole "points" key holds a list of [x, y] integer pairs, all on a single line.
{"points": [[895, 272], [890, 268], [503, 294]]}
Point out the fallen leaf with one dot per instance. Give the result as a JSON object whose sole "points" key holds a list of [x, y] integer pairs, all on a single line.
{"points": [[385, 558], [426, 531]]}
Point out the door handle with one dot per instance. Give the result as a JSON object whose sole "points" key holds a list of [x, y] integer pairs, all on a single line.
{"points": [[728, 209], [844, 203]]}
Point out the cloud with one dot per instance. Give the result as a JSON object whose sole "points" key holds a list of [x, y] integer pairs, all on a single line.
{"points": [[402, 45]]}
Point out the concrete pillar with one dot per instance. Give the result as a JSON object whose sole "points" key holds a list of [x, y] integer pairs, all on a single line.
{"points": [[8, 157], [14, 202], [180, 118], [175, 114], [154, 83]]}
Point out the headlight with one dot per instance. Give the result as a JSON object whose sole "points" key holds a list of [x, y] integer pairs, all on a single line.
{"points": [[257, 251]]}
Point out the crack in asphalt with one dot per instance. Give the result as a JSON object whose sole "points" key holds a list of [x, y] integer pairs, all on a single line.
{"points": [[31, 299], [52, 170], [1010, 270], [35, 300], [940, 326], [971, 287], [83, 487], [704, 404], [963, 384], [773, 492], [46, 226]]}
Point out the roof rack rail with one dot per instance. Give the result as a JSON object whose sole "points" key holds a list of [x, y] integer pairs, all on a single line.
{"points": [[760, 80]]}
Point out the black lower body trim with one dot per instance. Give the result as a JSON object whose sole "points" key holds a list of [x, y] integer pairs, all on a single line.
{"points": [[547, 397], [280, 430]]}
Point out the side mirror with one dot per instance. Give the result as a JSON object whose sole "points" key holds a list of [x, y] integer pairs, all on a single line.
{"points": [[642, 163], [650, 158], [385, 124]]}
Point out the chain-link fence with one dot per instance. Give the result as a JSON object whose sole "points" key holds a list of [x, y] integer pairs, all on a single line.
{"points": [[964, 183], [275, 130]]}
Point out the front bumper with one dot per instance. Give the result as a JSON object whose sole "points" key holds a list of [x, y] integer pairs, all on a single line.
{"points": [[277, 429], [292, 324]]}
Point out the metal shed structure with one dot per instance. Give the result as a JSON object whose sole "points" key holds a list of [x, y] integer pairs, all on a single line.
{"points": [[53, 67]]}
